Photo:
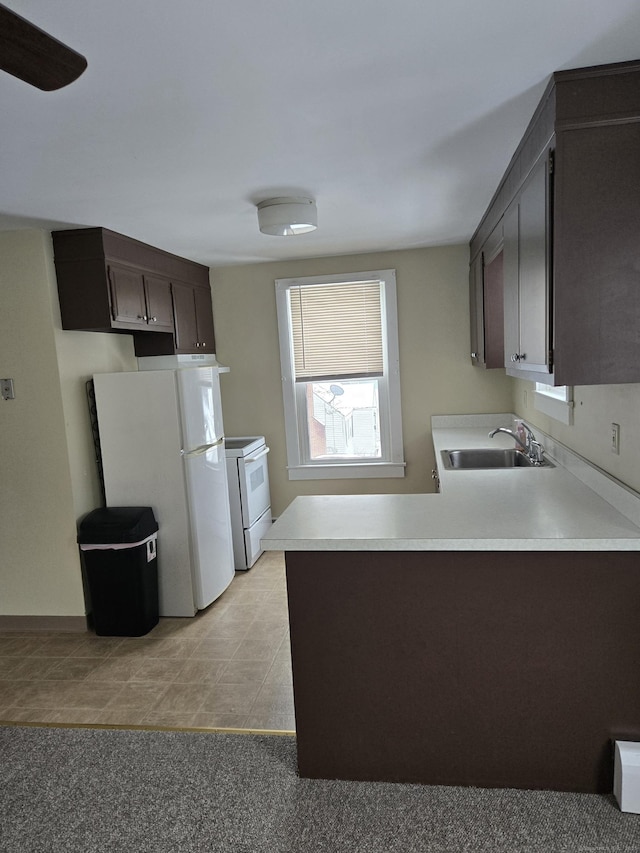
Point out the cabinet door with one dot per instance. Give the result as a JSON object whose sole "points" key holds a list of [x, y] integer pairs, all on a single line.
{"points": [[127, 296], [184, 314], [204, 318], [527, 291], [159, 304], [486, 303], [597, 255], [534, 271], [476, 312], [493, 304], [193, 318], [511, 284]]}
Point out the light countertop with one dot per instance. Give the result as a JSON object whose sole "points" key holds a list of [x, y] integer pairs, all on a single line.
{"points": [[515, 509]]}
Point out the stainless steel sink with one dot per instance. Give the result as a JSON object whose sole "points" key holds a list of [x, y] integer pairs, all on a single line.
{"points": [[485, 457]]}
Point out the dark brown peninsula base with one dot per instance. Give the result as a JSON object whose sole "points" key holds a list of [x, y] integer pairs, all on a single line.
{"points": [[465, 668]]}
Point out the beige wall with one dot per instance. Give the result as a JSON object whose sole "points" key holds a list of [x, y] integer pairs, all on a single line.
{"points": [[596, 408], [436, 374], [49, 477], [39, 565]]}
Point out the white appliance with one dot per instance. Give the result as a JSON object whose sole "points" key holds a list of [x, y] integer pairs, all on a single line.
{"points": [[249, 496], [163, 446]]}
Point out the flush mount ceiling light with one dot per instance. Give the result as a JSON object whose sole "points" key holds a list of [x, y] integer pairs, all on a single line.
{"points": [[286, 217]]}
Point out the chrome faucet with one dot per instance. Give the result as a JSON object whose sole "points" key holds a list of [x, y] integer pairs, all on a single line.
{"points": [[531, 447]]}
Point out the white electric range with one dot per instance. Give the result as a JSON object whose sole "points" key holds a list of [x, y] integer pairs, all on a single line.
{"points": [[248, 477]]}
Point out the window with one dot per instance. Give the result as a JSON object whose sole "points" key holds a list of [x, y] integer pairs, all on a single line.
{"points": [[340, 375], [555, 401]]}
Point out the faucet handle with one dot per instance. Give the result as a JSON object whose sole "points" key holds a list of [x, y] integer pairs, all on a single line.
{"points": [[536, 451]]}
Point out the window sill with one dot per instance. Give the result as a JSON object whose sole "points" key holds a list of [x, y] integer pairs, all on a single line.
{"points": [[559, 410], [374, 470]]}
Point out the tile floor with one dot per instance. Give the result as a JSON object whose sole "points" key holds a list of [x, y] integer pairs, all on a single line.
{"points": [[228, 667]]}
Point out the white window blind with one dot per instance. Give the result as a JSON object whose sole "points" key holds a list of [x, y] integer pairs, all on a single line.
{"points": [[337, 331]]}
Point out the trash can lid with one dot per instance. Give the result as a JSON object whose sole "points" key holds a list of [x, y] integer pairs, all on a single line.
{"points": [[117, 524]]}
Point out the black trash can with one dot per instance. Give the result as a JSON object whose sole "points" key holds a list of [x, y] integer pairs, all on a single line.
{"points": [[119, 557]]}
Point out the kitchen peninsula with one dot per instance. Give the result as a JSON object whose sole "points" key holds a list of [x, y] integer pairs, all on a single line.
{"points": [[488, 635]]}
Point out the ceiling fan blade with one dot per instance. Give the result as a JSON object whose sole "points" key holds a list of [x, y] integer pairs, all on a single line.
{"points": [[32, 55]]}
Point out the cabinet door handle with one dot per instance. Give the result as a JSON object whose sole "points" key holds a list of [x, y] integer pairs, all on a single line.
{"points": [[142, 317], [153, 319], [519, 356]]}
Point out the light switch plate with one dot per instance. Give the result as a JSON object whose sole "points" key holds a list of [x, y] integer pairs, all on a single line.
{"points": [[615, 438], [6, 389]]}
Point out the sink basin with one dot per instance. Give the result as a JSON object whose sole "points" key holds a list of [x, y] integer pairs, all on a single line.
{"points": [[487, 457]]}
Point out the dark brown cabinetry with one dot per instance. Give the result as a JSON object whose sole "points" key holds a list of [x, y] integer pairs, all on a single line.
{"points": [[522, 682], [486, 304], [526, 277], [140, 300], [597, 255], [110, 283], [570, 212], [193, 318]]}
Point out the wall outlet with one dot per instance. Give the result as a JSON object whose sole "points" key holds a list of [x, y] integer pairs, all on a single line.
{"points": [[6, 389], [615, 438]]}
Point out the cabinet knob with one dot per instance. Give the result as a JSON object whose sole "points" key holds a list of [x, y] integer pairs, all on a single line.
{"points": [[519, 356], [197, 344], [203, 344], [474, 355], [153, 319]]}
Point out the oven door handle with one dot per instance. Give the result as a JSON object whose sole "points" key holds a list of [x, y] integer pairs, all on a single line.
{"points": [[259, 456]]}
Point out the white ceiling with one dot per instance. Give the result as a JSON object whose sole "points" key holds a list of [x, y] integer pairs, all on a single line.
{"points": [[398, 117]]}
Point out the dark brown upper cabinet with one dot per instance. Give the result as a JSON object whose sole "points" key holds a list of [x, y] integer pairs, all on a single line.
{"points": [[486, 303], [527, 348], [110, 283], [159, 303], [570, 212], [193, 319], [140, 301]]}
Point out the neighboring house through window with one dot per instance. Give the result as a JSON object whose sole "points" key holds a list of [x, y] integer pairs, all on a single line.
{"points": [[340, 374]]}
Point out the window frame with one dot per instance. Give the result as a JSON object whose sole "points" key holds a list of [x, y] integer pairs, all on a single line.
{"points": [[299, 464], [554, 401]]}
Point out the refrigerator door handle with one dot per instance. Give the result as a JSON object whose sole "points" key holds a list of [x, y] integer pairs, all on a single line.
{"points": [[205, 448], [259, 455]]}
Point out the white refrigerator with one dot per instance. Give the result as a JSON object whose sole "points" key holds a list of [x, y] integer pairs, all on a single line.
{"points": [[162, 443]]}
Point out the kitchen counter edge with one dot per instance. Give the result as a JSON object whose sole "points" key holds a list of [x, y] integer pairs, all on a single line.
{"points": [[572, 506]]}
